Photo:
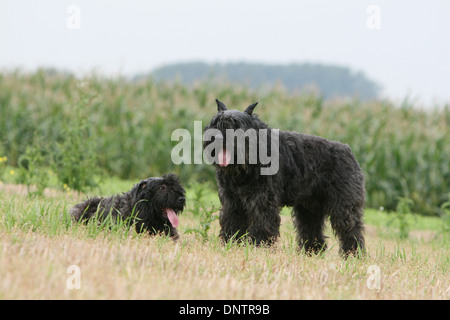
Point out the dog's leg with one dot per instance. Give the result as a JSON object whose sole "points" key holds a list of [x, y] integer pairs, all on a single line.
{"points": [[348, 226], [309, 227], [233, 221], [173, 233], [264, 224]]}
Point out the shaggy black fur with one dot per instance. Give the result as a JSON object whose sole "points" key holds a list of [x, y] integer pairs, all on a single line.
{"points": [[319, 178], [152, 205]]}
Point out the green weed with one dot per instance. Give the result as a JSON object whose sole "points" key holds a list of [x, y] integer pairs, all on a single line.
{"points": [[207, 219]]}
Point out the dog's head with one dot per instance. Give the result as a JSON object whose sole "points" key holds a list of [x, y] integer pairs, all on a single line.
{"points": [[233, 119], [232, 137], [159, 200]]}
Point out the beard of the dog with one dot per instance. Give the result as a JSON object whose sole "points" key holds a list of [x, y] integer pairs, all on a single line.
{"points": [[149, 216], [238, 120]]}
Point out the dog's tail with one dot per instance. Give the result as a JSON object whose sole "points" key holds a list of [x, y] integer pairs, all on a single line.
{"points": [[85, 210]]}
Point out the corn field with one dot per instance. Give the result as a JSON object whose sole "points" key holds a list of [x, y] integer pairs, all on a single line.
{"points": [[84, 129]]}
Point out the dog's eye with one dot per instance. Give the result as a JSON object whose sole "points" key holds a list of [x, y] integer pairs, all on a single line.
{"points": [[163, 187]]}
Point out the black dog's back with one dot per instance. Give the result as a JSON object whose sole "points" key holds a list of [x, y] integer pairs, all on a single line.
{"points": [[319, 169]]}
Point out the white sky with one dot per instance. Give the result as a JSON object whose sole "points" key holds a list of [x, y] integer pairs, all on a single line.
{"points": [[408, 56]]}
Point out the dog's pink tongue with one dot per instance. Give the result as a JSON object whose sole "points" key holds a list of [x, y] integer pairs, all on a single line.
{"points": [[172, 217], [224, 158]]}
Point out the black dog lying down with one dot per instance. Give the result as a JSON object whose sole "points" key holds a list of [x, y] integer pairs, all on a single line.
{"points": [[152, 205]]}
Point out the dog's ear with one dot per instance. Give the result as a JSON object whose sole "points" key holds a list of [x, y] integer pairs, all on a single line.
{"points": [[250, 108], [137, 188], [134, 192], [220, 105]]}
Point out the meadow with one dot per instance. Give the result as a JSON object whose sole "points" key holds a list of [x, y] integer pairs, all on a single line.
{"points": [[63, 138], [40, 247]]}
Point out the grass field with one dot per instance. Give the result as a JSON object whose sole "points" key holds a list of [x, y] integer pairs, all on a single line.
{"points": [[60, 133], [43, 255]]}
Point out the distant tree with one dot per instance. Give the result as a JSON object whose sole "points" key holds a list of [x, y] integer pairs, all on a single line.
{"points": [[330, 80]]}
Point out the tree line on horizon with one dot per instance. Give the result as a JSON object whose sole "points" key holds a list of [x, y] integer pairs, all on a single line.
{"points": [[327, 80]]}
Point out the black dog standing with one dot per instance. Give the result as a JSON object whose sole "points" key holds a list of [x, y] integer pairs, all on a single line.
{"points": [[152, 205], [319, 178]]}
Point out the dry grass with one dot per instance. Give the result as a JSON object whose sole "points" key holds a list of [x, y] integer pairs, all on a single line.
{"points": [[34, 266]]}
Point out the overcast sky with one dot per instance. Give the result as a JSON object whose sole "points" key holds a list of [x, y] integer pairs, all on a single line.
{"points": [[405, 46]]}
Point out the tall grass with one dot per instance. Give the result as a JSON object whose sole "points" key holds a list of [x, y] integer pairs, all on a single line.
{"points": [[34, 215], [123, 128]]}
